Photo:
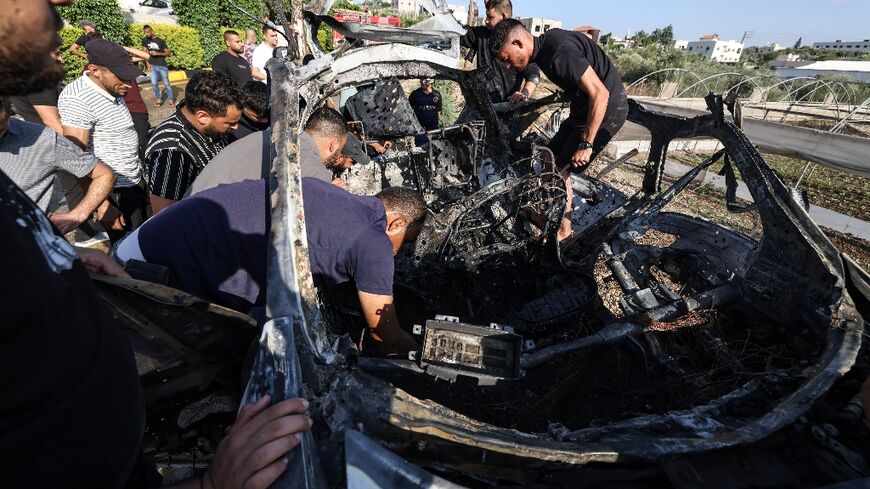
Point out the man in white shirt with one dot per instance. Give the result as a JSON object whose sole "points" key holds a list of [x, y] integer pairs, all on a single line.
{"points": [[95, 117], [263, 53]]}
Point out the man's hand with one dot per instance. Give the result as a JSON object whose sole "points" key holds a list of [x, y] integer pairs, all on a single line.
{"points": [[110, 217], [67, 222], [252, 456], [518, 97], [581, 158], [98, 262], [338, 182]]}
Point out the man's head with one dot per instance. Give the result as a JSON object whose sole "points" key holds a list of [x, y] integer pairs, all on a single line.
{"points": [[427, 83], [30, 28], [406, 212], [256, 106], [512, 44], [5, 113], [329, 131], [88, 26], [497, 11], [213, 102], [234, 43], [250, 35], [149, 32], [110, 67], [270, 36]]}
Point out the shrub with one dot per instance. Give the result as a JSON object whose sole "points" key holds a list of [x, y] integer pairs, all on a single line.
{"points": [[206, 15], [106, 14], [185, 49], [71, 63]]}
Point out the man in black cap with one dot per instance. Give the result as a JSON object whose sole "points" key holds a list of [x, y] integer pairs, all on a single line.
{"points": [[95, 117], [76, 47]]}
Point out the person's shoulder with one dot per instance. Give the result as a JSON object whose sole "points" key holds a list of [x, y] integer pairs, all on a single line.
{"points": [[29, 130], [74, 89]]}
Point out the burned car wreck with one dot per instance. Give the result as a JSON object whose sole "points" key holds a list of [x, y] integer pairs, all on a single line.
{"points": [[730, 361]]}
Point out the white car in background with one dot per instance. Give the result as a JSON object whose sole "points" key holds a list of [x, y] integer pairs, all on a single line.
{"points": [[149, 11]]}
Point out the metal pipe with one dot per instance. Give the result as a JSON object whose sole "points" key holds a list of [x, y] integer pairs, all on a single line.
{"points": [[611, 334]]}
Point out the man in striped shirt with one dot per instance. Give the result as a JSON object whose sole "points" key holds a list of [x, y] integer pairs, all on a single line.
{"points": [[95, 117], [183, 144]]}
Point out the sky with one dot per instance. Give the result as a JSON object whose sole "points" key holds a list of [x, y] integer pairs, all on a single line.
{"points": [[782, 21]]}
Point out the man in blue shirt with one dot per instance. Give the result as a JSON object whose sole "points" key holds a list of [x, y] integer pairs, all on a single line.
{"points": [[215, 244]]}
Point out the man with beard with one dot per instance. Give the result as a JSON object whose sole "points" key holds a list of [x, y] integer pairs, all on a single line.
{"points": [[320, 144], [183, 144], [95, 117], [231, 61], [74, 416]]}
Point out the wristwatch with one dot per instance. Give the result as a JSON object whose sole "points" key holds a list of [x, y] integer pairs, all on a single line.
{"points": [[584, 145]]}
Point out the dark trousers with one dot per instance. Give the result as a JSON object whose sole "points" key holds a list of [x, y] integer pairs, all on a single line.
{"points": [[134, 206], [140, 122], [564, 143]]}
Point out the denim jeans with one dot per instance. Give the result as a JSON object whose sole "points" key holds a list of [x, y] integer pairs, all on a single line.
{"points": [[159, 73]]}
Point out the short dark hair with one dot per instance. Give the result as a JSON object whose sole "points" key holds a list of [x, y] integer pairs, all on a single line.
{"points": [[229, 33], [267, 28], [503, 6], [6, 105], [213, 92], [404, 202], [326, 123], [502, 33], [146, 26], [256, 97]]}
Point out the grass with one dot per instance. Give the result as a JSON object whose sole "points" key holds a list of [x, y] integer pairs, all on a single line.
{"points": [[831, 189]]}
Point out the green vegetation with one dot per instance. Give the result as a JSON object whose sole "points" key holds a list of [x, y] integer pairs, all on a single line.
{"points": [[106, 14], [184, 44], [205, 15], [71, 63], [448, 90]]}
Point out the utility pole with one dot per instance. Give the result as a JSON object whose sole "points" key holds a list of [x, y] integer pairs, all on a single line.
{"points": [[746, 35], [471, 6]]}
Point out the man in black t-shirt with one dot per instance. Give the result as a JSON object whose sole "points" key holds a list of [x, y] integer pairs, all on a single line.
{"points": [[89, 28], [427, 105], [505, 84], [231, 61], [158, 51], [581, 68], [40, 107]]}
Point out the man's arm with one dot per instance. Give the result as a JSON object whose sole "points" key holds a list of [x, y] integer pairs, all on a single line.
{"points": [[77, 135], [531, 79], [99, 184], [384, 329], [77, 50], [258, 74], [50, 117], [598, 98], [138, 54], [159, 203]]}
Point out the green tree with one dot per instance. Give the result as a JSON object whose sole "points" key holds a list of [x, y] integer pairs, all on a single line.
{"points": [[606, 39], [663, 36], [797, 45], [106, 14], [207, 16]]}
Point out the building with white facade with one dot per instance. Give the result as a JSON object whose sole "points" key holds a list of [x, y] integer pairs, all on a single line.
{"points": [[681, 45], [854, 46], [772, 48], [406, 6], [715, 49], [538, 26]]}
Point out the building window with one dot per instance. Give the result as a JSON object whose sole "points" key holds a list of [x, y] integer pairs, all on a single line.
{"points": [[546, 27], [708, 48], [537, 28]]}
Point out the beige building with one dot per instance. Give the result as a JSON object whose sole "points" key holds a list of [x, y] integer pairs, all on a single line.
{"points": [[712, 48], [538, 26]]}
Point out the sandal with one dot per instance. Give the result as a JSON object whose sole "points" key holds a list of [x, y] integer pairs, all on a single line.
{"points": [[157, 104]]}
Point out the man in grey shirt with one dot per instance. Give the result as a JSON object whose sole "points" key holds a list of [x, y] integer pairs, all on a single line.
{"points": [[324, 132], [32, 154]]}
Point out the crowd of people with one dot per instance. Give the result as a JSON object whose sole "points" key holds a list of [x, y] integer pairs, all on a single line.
{"points": [[190, 198]]}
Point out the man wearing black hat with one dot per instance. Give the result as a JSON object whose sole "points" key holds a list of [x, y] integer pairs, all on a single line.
{"points": [[95, 117], [89, 28]]}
